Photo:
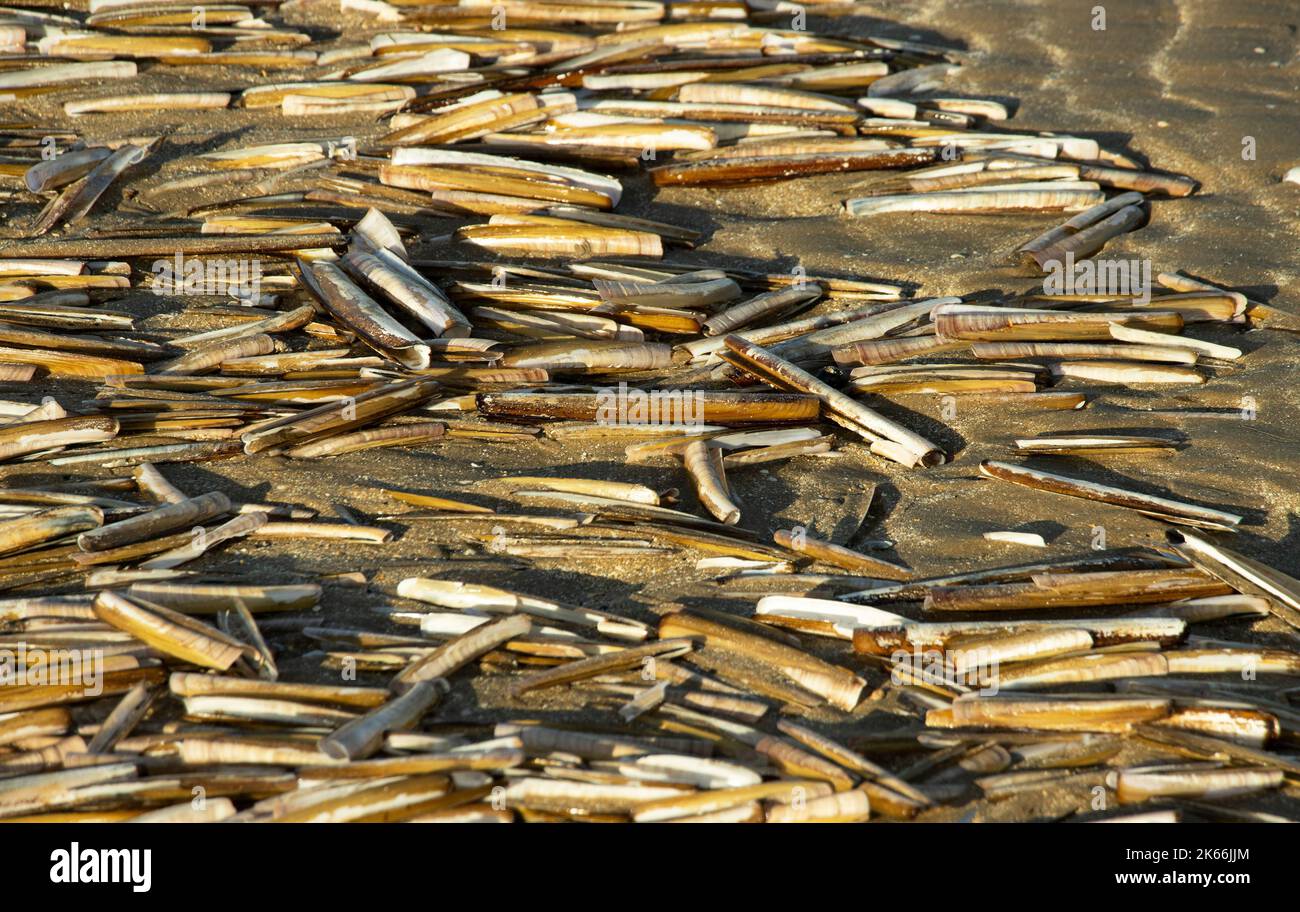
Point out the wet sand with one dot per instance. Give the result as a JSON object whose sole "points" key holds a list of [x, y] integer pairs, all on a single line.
{"points": [[1178, 84]]}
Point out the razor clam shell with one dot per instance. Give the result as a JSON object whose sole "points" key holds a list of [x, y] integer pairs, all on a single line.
{"points": [[67, 72], [955, 322], [466, 120], [839, 686], [214, 811], [1104, 714], [710, 483], [159, 102], [911, 449], [708, 407], [91, 345], [1095, 445], [166, 518], [730, 171], [1029, 539], [635, 493], [403, 435], [1082, 350], [1232, 661], [207, 598], [363, 735], [676, 292], [670, 807], [844, 807], [876, 321], [551, 324], [1142, 337], [977, 201], [834, 612], [764, 305], [1128, 372], [1077, 223], [175, 635], [212, 355], [175, 452], [794, 118], [844, 558], [79, 197], [283, 322], [595, 356], [961, 180], [1242, 573], [881, 640], [335, 418], [55, 173], [1135, 785], [410, 291], [454, 594], [457, 653], [1180, 282], [549, 241], [599, 184], [1022, 647], [1088, 241], [1083, 669], [327, 531], [1179, 511], [580, 669], [148, 246], [1048, 590], [360, 313], [587, 798], [758, 95], [695, 771], [236, 709], [241, 525], [29, 437], [35, 528]]}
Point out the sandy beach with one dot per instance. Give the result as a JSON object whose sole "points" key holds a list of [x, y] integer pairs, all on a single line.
{"points": [[1176, 83]]}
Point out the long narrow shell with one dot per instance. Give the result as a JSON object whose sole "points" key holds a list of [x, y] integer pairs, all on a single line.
{"points": [[360, 313], [362, 736], [1190, 514], [36, 436], [78, 198], [998, 200], [55, 173], [709, 482], [17, 534], [183, 514], [1133, 786], [464, 649], [410, 291], [175, 101], [175, 635], [909, 448]]}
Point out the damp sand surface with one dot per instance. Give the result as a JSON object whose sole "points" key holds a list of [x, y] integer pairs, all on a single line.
{"points": [[1178, 84]]}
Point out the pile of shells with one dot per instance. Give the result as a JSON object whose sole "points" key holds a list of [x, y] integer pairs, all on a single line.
{"points": [[305, 319]]}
